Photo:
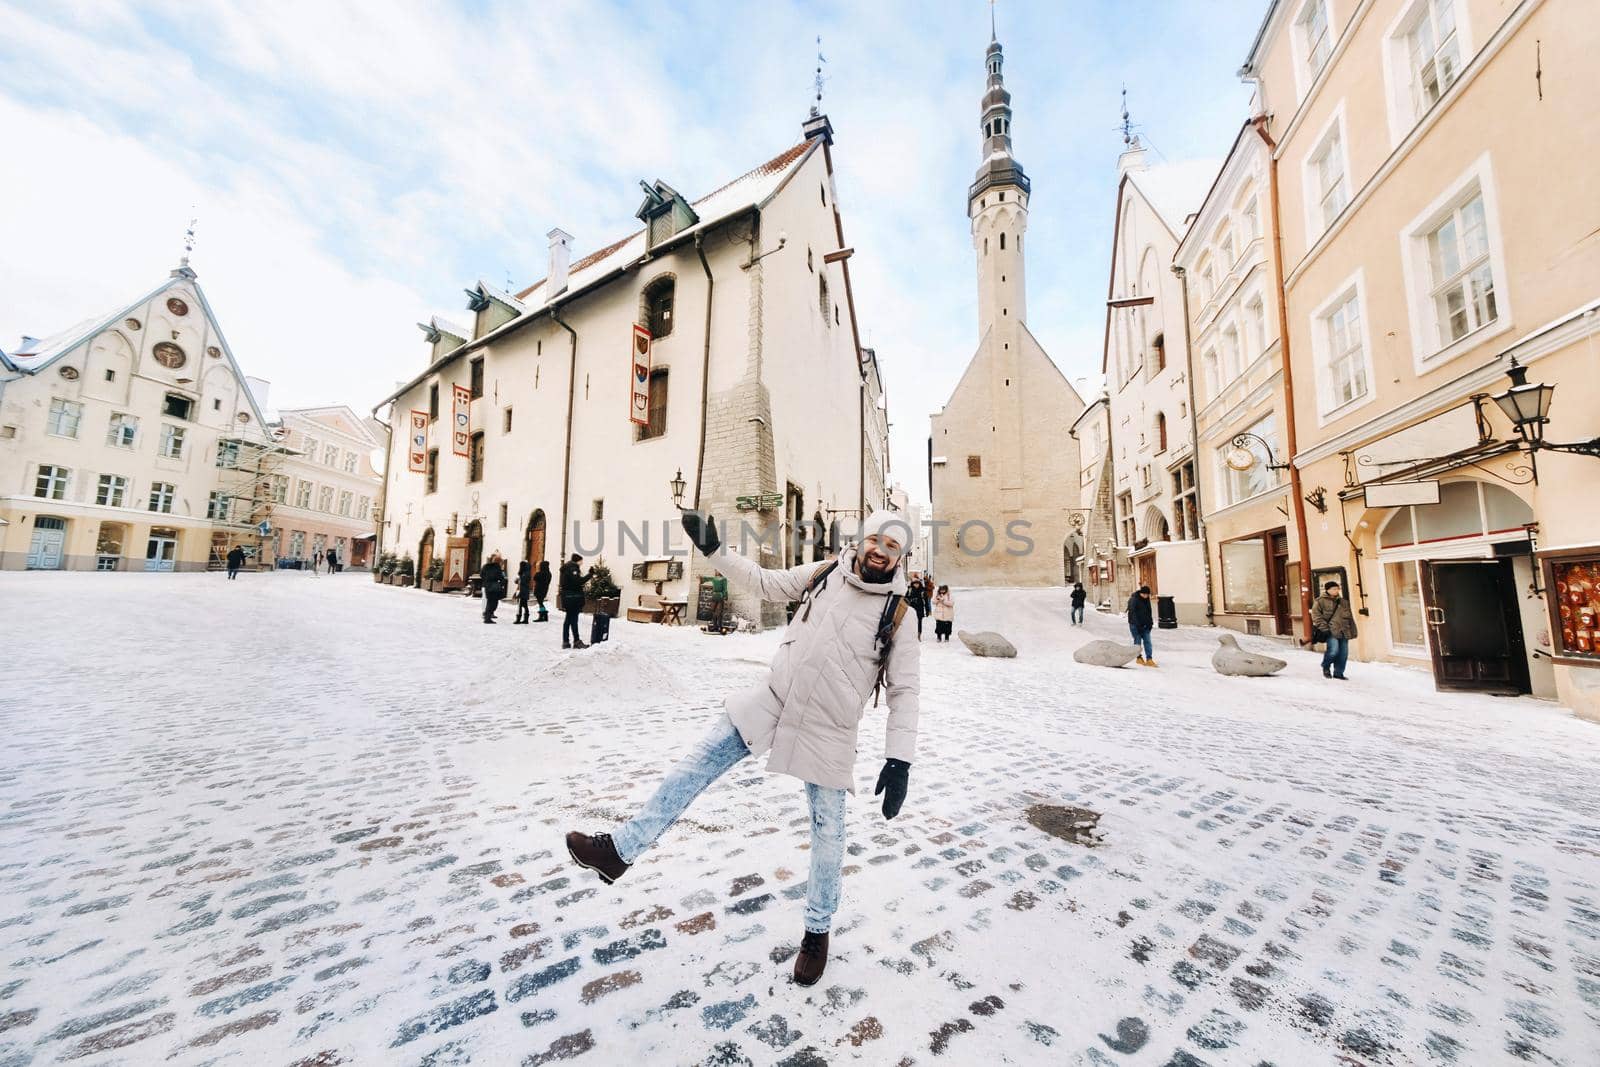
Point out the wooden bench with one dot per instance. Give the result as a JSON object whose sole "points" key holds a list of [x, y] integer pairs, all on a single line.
{"points": [[649, 609]]}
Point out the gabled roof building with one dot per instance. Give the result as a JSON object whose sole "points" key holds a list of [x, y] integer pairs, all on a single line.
{"points": [[716, 344]]}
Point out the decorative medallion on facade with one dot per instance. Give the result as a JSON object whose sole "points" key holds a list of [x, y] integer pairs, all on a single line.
{"points": [[169, 355], [70, 373], [176, 306], [132, 324]]}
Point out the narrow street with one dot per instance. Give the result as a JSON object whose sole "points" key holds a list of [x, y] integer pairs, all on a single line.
{"points": [[344, 846]]}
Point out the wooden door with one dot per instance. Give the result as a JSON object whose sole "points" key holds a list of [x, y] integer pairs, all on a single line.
{"points": [[1474, 628], [1278, 577]]}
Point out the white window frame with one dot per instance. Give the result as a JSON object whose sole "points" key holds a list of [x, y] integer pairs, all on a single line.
{"points": [[1310, 173], [1428, 347], [164, 493], [1253, 327], [346, 501], [113, 488], [325, 499], [1233, 360], [228, 451], [219, 506], [121, 421], [1211, 364], [304, 494], [172, 439], [330, 455], [1305, 76], [1403, 112], [63, 411], [1327, 410], [59, 481], [364, 507], [350, 462]]}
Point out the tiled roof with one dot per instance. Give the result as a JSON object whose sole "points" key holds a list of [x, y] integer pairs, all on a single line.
{"points": [[749, 188]]}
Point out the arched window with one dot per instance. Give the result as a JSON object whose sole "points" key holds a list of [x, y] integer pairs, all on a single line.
{"points": [[1002, 241], [1161, 431], [475, 458], [657, 311], [1158, 351]]}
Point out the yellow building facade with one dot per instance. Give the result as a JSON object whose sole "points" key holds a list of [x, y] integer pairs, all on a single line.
{"points": [[1436, 162]]}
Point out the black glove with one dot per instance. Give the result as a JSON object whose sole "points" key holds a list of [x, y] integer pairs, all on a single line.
{"points": [[703, 534], [893, 778]]}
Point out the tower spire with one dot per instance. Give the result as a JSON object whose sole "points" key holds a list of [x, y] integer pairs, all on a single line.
{"points": [[999, 166]]}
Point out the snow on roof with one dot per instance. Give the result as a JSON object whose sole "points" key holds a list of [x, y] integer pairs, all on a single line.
{"points": [[35, 352], [749, 189], [495, 292], [1177, 190]]}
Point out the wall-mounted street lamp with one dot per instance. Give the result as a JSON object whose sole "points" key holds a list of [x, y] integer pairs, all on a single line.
{"points": [[678, 486], [1528, 408], [783, 239]]}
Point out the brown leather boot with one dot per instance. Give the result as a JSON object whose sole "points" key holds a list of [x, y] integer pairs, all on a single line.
{"points": [[813, 957], [599, 855]]}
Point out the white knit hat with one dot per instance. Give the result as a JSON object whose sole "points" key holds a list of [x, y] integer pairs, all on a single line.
{"points": [[891, 523]]}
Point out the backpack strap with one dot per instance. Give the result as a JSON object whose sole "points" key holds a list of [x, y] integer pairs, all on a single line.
{"points": [[888, 625], [818, 580]]}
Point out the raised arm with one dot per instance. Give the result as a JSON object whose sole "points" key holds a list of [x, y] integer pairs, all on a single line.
{"points": [[778, 586]]}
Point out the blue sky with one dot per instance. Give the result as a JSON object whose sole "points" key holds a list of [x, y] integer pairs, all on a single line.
{"points": [[354, 167]]}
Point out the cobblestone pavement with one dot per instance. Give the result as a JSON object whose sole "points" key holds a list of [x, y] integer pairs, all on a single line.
{"points": [[307, 821]]}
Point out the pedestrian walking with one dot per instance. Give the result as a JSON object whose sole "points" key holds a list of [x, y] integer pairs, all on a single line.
{"points": [[541, 589], [333, 561], [917, 599], [493, 580], [839, 648], [524, 590], [570, 594], [1079, 596], [235, 561], [1140, 623], [944, 613], [316, 561], [1334, 622]]}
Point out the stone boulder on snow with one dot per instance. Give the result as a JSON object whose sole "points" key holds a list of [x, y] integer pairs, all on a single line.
{"points": [[987, 643], [1106, 654], [1232, 660]]}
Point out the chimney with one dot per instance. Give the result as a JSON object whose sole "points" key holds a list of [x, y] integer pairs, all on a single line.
{"points": [[1132, 158], [555, 281]]}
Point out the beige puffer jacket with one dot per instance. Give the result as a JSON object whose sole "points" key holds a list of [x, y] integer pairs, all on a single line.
{"points": [[808, 709]]}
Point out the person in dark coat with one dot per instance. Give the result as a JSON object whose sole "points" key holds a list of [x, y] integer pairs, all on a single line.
{"points": [[235, 561], [1140, 622], [1331, 615], [524, 590], [570, 593], [333, 561], [541, 589], [493, 576], [916, 598], [1078, 598]]}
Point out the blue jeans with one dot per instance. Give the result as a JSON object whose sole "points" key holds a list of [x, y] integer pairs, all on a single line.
{"points": [[1142, 637], [716, 752], [1337, 654], [1077, 615]]}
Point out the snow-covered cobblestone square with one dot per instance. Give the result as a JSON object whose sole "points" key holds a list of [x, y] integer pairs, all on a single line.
{"points": [[311, 820]]}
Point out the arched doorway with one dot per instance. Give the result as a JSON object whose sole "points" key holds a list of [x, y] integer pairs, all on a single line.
{"points": [[474, 547], [1155, 526], [424, 556], [533, 541], [1071, 557]]}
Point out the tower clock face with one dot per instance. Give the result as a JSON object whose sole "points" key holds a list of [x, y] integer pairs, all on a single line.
{"points": [[169, 355]]}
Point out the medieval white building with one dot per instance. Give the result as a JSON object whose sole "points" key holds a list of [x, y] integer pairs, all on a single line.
{"points": [[133, 441], [1154, 486], [1005, 471], [716, 347]]}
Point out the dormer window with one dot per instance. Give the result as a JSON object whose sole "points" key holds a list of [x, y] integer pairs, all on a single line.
{"points": [[664, 213]]}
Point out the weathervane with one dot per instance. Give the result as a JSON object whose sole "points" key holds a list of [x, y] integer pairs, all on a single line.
{"points": [[188, 241], [1129, 138], [816, 106]]}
